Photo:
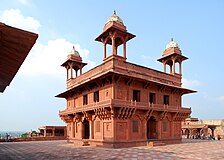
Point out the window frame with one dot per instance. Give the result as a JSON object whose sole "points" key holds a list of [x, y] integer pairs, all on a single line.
{"points": [[96, 96], [152, 98], [85, 99], [166, 100], [136, 95]]}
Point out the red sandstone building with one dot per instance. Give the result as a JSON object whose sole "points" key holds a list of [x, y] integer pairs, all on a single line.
{"points": [[121, 104]]}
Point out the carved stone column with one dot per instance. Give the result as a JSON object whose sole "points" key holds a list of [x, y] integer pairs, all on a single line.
{"points": [[72, 129]]}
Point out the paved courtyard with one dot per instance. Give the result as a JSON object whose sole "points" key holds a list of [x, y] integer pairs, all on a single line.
{"points": [[60, 150]]}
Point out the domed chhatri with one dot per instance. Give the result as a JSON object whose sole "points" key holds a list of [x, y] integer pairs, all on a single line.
{"points": [[114, 18], [74, 52], [172, 44]]}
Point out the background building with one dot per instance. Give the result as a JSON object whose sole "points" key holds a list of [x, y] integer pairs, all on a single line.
{"points": [[191, 127], [121, 104]]}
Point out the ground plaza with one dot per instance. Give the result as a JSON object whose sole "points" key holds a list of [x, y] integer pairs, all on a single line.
{"points": [[61, 150]]}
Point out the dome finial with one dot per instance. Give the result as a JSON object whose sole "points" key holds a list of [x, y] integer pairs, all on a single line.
{"points": [[74, 52], [114, 18], [172, 44]]}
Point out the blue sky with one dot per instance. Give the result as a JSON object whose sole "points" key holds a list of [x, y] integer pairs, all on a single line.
{"points": [[197, 26]]}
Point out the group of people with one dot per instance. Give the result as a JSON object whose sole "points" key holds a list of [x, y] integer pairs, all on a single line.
{"points": [[202, 136]]}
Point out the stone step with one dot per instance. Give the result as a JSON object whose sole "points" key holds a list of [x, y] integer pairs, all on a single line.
{"points": [[155, 143], [85, 143]]}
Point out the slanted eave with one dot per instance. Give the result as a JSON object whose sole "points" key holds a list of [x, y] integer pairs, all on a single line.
{"points": [[15, 44]]}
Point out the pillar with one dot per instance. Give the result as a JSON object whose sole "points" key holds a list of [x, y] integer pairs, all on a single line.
{"points": [[159, 129], [173, 71], [71, 71], [81, 130], [212, 131], [90, 129], [164, 67], [188, 133], [67, 73], [45, 132], [80, 70], [172, 129], [113, 44], [72, 129], [53, 132], [180, 68], [144, 128], [124, 49], [105, 49], [113, 128]]}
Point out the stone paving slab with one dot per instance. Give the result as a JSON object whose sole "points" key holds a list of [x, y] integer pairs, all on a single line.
{"points": [[61, 150]]}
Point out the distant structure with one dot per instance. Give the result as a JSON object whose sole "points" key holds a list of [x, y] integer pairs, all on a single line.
{"points": [[15, 45], [121, 104], [191, 127], [53, 131]]}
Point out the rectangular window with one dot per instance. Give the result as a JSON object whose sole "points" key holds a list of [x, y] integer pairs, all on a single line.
{"points": [[96, 96], [166, 99], [135, 126], [136, 95], [85, 99], [164, 126], [152, 98]]}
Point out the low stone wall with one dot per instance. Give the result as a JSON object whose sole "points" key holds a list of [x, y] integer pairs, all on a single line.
{"points": [[35, 139]]}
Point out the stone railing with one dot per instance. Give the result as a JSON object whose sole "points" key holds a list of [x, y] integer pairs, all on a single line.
{"points": [[150, 74], [142, 104], [124, 103], [128, 69], [72, 82], [91, 106]]}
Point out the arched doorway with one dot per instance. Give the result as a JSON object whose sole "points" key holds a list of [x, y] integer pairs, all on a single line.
{"points": [[151, 128], [85, 132]]}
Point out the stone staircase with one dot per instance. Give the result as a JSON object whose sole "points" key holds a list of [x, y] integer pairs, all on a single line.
{"points": [[85, 143], [155, 143]]}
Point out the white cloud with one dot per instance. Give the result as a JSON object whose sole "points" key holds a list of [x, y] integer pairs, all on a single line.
{"points": [[43, 59], [46, 59], [14, 17], [187, 83]]}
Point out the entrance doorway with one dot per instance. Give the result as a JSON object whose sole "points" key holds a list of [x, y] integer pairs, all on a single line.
{"points": [[85, 125], [151, 128]]}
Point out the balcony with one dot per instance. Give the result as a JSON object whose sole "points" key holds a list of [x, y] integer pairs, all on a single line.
{"points": [[123, 103], [91, 74], [148, 73], [128, 69]]}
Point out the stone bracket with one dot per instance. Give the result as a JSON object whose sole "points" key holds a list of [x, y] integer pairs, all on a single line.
{"points": [[148, 114], [87, 116], [163, 115], [125, 112], [103, 113]]}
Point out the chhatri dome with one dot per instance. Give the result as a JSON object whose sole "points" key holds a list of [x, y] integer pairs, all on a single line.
{"points": [[74, 52], [114, 18], [172, 44]]}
